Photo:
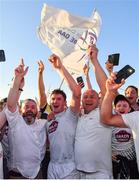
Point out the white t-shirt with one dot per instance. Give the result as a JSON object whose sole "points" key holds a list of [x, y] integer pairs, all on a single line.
{"points": [[61, 133], [132, 121], [123, 143], [93, 144], [27, 144]]}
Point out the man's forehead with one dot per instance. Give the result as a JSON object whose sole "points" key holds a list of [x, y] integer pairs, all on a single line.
{"points": [[90, 92], [56, 94], [32, 102], [130, 89]]}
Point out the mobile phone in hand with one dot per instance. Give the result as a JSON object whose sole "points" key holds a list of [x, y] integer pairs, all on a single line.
{"points": [[2, 56], [80, 81], [114, 59], [124, 73]]}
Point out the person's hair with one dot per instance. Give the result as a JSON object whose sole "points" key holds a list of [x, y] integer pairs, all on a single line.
{"points": [[121, 97], [134, 87], [59, 91], [138, 101], [3, 103], [4, 100], [29, 100]]}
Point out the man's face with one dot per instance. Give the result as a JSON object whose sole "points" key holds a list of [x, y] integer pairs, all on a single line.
{"points": [[29, 111], [131, 95], [90, 100], [122, 107], [58, 103]]}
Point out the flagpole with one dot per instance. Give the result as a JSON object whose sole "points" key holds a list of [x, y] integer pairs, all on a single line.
{"points": [[61, 83]]}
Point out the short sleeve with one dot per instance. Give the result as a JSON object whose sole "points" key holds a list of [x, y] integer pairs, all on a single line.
{"points": [[131, 119]]}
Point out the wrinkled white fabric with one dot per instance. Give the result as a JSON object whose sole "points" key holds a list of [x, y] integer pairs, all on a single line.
{"points": [[132, 121], [68, 35], [27, 144]]}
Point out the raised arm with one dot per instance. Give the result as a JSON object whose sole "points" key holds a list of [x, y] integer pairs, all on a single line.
{"points": [[41, 87], [75, 89], [18, 83], [106, 107], [99, 72], [86, 73]]}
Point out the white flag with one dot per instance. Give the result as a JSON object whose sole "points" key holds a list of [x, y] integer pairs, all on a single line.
{"points": [[68, 36]]}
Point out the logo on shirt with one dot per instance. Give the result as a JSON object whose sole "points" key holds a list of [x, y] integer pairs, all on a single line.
{"points": [[123, 136], [53, 126]]}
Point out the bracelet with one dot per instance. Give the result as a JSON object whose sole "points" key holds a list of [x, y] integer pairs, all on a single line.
{"points": [[20, 89]]}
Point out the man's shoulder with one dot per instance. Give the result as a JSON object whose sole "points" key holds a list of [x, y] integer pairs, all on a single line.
{"points": [[137, 107], [131, 118], [95, 111]]}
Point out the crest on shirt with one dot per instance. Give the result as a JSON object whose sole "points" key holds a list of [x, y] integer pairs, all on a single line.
{"points": [[53, 126], [123, 136]]}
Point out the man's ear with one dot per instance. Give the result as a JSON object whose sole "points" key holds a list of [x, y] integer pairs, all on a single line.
{"points": [[66, 105]]}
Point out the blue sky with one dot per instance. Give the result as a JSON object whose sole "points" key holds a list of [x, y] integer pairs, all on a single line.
{"points": [[19, 20]]}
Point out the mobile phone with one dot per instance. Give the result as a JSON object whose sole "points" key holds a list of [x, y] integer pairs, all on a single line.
{"points": [[80, 81], [2, 56], [114, 59], [124, 73]]}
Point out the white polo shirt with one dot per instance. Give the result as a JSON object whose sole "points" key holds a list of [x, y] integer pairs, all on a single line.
{"points": [[93, 144], [27, 144], [132, 121]]}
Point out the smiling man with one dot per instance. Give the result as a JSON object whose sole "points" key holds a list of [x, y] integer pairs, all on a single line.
{"points": [[131, 93], [29, 111], [90, 100], [62, 127], [93, 139], [26, 133]]}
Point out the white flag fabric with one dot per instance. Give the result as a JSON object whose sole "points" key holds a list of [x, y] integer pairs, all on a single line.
{"points": [[68, 36]]}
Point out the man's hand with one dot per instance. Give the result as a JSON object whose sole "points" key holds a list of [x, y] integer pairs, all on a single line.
{"points": [[109, 67], [51, 116], [93, 52], [111, 86], [55, 61], [86, 70], [40, 66], [18, 83], [21, 71]]}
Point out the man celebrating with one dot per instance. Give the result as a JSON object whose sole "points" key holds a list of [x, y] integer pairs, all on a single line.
{"points": [[26, 134], [93, 139], [61, 130]]}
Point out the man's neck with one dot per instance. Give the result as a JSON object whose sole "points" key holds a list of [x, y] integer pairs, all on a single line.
{"points": [[29, 121]]}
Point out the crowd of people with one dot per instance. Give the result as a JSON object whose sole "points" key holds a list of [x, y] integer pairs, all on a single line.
{"points": [[94, 136]]}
